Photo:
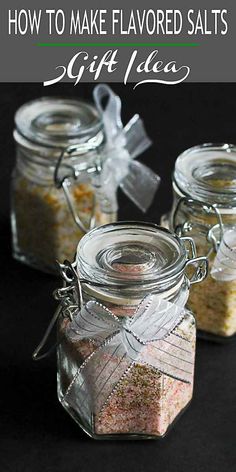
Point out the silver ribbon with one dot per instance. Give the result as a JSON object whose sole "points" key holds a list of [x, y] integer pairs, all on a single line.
{"points": [[224, 265], [147, 337], [123, 145]]}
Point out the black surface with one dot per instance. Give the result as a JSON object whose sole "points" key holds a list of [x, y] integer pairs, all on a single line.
{"points": [[37, 434]]}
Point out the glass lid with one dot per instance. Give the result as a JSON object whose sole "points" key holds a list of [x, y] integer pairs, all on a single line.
{"points": [[58, 121], [208, 173], [130, 253]]}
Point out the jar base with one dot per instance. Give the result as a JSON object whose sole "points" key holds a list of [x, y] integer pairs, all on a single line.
{"points": [[31, 262], [119, 436]]}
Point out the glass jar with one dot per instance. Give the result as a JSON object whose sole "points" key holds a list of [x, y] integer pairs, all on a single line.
{"points": [[204, 207], [56, 197], [126, 343]]}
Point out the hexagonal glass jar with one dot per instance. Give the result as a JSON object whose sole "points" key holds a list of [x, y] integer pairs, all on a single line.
{"points": [[55, 194], [204, 189], [112, 381]]}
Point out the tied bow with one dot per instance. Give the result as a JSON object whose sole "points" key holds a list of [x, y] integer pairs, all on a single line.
{"points": [[146, 338], [123, 145]]}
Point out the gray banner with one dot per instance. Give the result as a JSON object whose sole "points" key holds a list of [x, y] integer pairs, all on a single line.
{"points": [[164, 41]]}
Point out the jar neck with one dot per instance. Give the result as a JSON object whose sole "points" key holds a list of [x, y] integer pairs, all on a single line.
{"points": [[207, 173], [132, 298], [40, 168], [128, 260], [225, 211]]}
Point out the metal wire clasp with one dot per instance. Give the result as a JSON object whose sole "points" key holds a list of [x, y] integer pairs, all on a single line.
{"points": [[199, 263], [71, 172], [214, 234], [70, 295], [70, 298]]}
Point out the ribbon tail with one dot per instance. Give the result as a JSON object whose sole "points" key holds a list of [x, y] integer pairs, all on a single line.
{"points": [[109, 107], [137, 140], [123, 145], [173, 356], [106, 194], [154, 323], [98, 375], [96, 379], [140, 185], [224, 265], [155, 318]]}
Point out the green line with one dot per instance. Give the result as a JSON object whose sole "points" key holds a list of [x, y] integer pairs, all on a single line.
{"points": [[118, 44]]}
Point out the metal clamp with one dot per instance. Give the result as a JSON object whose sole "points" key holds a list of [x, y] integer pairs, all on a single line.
{"points": [[201, 265], [36, 356], [190, 247], [188, 226], [69, 274], [71, 298], [71, 172]]}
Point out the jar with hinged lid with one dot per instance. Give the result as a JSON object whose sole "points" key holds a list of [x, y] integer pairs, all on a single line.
{"points": [[204, 207], [126, 342], [71, 158], [53, 194]]}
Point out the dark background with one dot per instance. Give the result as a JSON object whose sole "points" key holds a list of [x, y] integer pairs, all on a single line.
{"points": [[37, 434]]}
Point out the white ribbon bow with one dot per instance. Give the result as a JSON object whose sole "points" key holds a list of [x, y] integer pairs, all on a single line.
{"points": [[122, 146], [147, 337]]}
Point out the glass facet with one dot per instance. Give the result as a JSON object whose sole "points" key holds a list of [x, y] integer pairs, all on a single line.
{"points": [[43, 227], [207, 175], [114, 385]]}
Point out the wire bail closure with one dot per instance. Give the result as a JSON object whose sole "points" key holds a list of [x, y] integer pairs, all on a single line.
{"points": [[70, 295], [188, 226], [70, 298], [63, 182], [200, 263]]}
